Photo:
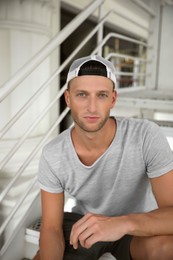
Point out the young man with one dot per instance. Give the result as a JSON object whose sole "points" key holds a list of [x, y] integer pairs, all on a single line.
{"points": [[120, 172]]}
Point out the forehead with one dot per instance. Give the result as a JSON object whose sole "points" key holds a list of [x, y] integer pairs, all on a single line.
{"points": [[90, 82]]}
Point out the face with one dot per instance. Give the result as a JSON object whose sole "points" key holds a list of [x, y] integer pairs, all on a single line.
{"points": [[90, 99]]}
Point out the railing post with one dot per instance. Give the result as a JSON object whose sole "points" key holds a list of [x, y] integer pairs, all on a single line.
{"points": [[135, 72], [21, 74], [117, 62], [154, 51], [100, 31]]}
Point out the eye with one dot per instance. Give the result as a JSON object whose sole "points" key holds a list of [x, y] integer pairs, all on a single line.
{"points": [[81, 94], [102, 95]]}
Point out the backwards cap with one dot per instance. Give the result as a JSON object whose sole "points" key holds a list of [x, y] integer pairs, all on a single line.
{"points": [[108, 69]]}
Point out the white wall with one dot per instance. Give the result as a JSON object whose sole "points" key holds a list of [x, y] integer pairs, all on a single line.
{"points": [[25, 27]]}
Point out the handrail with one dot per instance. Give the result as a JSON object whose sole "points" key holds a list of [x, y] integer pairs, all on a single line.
{"points": [[130, 73], [60, 93], [132, 21], [46, 84], [29, 130], [32, 99], [124, 56], [13, 150], [119, 36], [41, 143], [22, 73], [18, 204], [32, 155]]}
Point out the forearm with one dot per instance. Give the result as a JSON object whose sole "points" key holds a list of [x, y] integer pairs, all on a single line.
{"points": [[156, 222], [94, 228], [51, 245]]}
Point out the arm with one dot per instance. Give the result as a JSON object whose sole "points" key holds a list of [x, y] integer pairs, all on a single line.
{"points": [[93, 228], [159, 221], [51, 235]]}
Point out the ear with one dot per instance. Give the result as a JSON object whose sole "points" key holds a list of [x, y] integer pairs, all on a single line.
{"points": [[114, 98], [67, 97]]}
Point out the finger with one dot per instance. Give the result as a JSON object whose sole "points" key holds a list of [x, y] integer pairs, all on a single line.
{"points": [[83, 219], [74, 237], [78, 229], [88, 232], [91, 240], [94, 233]]}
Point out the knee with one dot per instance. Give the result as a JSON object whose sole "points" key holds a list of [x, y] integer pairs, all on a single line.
{"points": [[152, 248], [162, 248]]}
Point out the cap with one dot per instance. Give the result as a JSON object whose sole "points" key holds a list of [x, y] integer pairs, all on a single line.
{"points": [[108, 69]]}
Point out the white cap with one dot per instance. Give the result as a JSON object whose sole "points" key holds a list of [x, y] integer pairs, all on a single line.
{"points": [[108, 70]]}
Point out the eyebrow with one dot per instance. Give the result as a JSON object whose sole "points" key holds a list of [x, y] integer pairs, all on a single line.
{"points": [[86, 91]]}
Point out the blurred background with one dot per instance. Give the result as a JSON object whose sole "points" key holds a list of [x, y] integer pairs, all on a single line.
{"points": [[38, 41]]}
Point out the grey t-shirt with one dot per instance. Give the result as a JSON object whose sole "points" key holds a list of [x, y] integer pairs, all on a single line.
{"points": [[116, 183]]}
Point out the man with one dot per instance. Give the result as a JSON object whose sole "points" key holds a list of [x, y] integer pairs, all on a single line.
{"points": [[120, 172]]}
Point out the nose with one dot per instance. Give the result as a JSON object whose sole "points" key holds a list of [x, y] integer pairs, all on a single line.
{"points": [[92, 105]]}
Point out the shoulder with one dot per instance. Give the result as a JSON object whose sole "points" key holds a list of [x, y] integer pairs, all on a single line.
{"points": [[134, 125], [57, 145], [138, 131]]}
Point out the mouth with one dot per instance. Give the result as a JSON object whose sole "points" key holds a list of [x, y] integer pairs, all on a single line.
{"points": [[92, 118]]}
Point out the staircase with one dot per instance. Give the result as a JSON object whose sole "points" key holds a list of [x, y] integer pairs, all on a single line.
{"points": [[20, 208]]}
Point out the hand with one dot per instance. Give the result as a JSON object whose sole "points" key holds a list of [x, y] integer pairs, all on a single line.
{"points": [[93, 228]]}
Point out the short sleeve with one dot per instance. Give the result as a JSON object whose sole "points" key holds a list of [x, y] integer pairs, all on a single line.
{"points": [[157, 152], [47, 178]]}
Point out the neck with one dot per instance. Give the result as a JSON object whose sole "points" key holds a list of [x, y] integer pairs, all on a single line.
{"points": [[90, 140]]}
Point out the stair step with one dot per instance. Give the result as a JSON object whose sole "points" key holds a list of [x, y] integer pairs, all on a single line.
{"points": [[32, 233]]}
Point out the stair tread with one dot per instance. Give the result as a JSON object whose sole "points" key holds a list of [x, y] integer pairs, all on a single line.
{"points": [[34, 229]]}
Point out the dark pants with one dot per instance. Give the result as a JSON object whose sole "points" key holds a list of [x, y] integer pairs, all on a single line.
{"points": [[120, 249]]}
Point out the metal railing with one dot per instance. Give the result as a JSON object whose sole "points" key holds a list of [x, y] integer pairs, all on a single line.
{"points": [[60, 93], [8, 87], [47, 83], [29, 67]]}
